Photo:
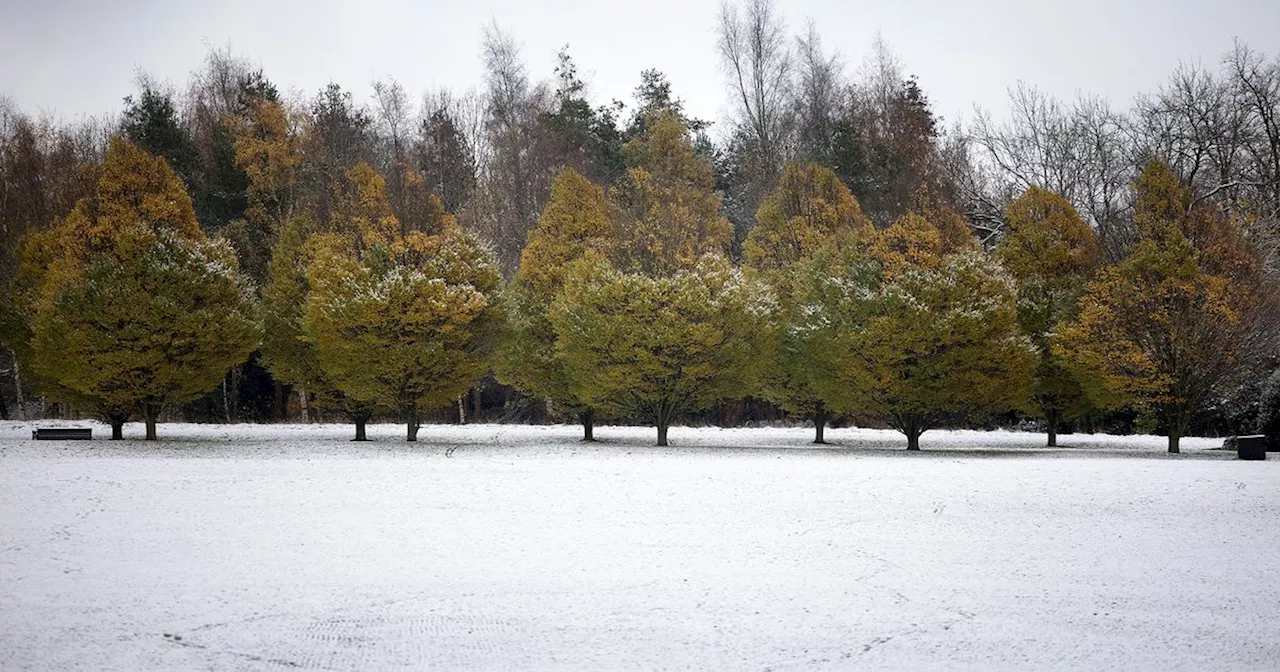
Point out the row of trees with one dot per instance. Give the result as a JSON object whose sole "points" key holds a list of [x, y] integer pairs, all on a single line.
{"points": [[627, 305], [835, 215]]}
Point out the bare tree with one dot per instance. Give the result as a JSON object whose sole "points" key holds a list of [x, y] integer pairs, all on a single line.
{"points": [[515, 181], [819, 97], [756, 56], [393, 127], [1081, 152]]}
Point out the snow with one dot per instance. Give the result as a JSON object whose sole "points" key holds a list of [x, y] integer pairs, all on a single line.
{"points": [[520, 548]]}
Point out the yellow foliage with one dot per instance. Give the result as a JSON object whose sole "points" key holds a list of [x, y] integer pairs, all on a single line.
{"points": [[810, 209]]}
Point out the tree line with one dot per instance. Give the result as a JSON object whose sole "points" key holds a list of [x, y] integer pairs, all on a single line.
{"points": [[836, 254]]}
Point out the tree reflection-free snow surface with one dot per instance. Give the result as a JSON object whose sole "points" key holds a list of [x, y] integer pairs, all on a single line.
{"points": [[493, 547]]}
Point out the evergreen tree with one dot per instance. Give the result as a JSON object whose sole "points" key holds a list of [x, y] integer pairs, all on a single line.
{"points": [[1052, 253], [806, 235], [135, 310], [660, 345], [399, 321], [575, 221]]}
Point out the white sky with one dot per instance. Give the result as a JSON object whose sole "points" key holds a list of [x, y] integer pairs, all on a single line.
{"points": [[78, 58]]}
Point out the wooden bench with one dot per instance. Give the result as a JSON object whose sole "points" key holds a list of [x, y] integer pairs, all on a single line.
{"points": [[62, 434]]}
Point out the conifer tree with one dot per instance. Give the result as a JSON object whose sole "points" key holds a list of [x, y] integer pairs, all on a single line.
{"points": [[1179, 320], [1052, 253], [659, 345], [806, 234], [663, 323], [668, 213], [133, 309], [400, 322], [575, 221], [933, 339], [936, 346]]}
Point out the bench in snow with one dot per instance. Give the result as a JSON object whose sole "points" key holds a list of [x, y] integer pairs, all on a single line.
{"points": [[62, 434], [1249, 447]]}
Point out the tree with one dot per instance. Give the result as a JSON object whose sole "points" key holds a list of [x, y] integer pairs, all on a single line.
{"points": [[1052, 253], [444, 155], [1184, 316], [399, 322], [136, 309], [659, 345], [668, 215], [268, 148], [936, 345], [151, 122], [575, 221], [804, 233]]}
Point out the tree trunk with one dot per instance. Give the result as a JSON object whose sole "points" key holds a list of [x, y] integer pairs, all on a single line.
{"points": [[233, 389], [4, 408], [414, 422], [1051, 424], [913, 440], [462, 410], [1174, 439], [819, 423], [361, 420], [588, 418], [302, 403], [475, 403], [117, 427], [665, 411], [18, 399], [150, 413], [277, 401]]}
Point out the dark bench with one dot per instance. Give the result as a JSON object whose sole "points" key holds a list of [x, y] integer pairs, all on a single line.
{"points": [[62, 434], [1249, 447]]}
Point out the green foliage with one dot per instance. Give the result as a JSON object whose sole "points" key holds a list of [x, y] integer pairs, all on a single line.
{"points": [[823, 299], [658, 345], [130, 307], [1052, 253], [668, 214], [151, 123], [937, 344], [1173, 326], [379, 318], [575, 221], [804, 246], [810, 209], [402, 327]]}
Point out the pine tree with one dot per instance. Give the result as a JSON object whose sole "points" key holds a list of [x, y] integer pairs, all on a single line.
{"points": [[1052, 253], [134, 309]]}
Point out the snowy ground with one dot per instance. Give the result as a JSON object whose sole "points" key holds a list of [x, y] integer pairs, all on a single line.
{"points": [[256, 548]]}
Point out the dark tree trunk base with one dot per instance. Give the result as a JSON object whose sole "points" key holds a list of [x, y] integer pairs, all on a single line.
{"points": [[588, 426]]}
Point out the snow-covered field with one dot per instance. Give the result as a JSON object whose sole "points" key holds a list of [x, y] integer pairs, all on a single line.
{"points": [[261, 548]]}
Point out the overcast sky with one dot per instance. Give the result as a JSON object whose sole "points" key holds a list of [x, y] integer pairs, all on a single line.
{"points": [[76, 58]]}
